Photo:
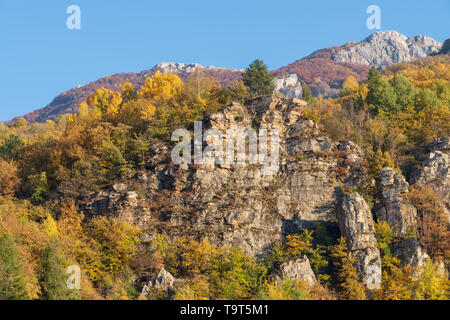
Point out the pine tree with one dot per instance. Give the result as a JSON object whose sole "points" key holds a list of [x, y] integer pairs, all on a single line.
{"points": [[52, 274], [9, 149], [12, 279], [307, 94], [40, 188], [350, 86], [258, 79]]}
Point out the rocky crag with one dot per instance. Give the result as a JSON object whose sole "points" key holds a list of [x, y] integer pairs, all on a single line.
{"points": [[240, 206], [384, 48]]}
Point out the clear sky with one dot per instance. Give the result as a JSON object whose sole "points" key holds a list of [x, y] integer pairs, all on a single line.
{"points": [[40, 57]]}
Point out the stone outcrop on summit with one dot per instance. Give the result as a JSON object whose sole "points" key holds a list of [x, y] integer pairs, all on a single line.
{"points": [[290, 86], [384, 48]]}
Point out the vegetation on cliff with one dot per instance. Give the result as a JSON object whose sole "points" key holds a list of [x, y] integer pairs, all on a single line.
{"points": [[45, 168]]}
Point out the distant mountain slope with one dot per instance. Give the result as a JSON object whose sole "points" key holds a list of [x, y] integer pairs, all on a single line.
{"points": [[68, 101], [322, 74], [323, 71]]}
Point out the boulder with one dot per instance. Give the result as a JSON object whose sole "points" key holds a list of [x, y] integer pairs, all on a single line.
{"points": [[120, 187], [299, 269], [164, 280]]}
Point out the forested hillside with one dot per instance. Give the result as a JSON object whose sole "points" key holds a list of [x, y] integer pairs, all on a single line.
{"points": [[97, 189]]}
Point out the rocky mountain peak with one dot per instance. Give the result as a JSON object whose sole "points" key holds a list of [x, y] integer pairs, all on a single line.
{"points": [[383, 48], [177, 67]]}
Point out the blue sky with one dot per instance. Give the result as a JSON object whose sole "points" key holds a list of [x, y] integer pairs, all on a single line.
{"points": [[40, 57]]}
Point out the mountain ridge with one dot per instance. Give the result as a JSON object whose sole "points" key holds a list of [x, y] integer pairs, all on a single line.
{"points": [[323, 71]]}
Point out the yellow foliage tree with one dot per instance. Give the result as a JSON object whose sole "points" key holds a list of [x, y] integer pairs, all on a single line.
{"points": [[117, 240], [162, 85], [350, 86], [105, 101], [50, 227], [128, 91], [9, 181], [351, 286]]}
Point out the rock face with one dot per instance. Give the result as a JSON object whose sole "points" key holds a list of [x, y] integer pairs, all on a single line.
{"points": [[401, 217], [435, 172], [164, 281], [445, 47], [290, 86], [239, 205], [356, 225], [383, 48], [299, 269], [410, 253], [394, 208]]}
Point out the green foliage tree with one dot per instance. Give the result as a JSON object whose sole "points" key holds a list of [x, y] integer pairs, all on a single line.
{"points": [[112, 160], [40, 189], [307, 94], [10, 147], [404, 91], [295, 247], [137, 148], [52, 275], [426, 98], [12, 279], [258, 79], [381, 94]]}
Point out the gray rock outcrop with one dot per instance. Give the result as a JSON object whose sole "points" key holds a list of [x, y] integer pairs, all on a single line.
{"points": [[409, 252], [401, 217], [434, 171], [356, 225], [394, 207], [290, 86], [164, 281], [384, 48], [299, 269], [177, 67]]}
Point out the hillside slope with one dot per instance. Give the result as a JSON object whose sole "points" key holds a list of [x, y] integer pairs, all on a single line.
{"points": [[323, 71]]}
